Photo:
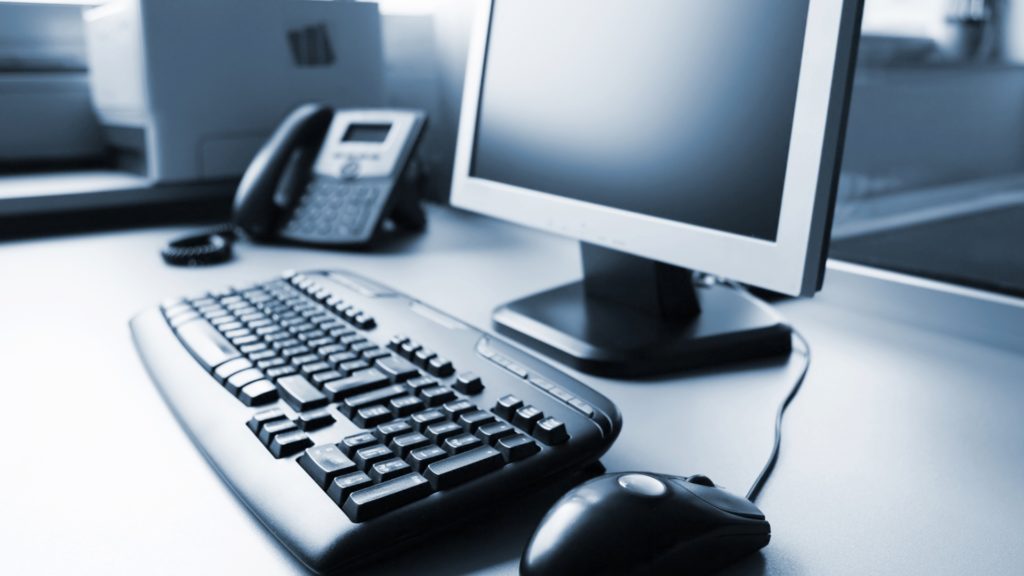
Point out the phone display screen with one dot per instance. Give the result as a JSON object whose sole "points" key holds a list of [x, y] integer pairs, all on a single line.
{"points": [[366, 133]]}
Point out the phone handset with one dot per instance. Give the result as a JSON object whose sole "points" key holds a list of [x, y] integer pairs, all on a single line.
{"points": [[275, 177]]}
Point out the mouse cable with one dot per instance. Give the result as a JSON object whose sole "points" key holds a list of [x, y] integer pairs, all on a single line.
{"points": [[769, 466], [762, 478]]}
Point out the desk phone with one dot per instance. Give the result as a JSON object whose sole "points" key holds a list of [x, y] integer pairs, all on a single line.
{"points": [[331, 177]]}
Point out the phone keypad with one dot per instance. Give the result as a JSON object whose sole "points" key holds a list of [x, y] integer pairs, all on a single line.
{"points": [[334, 210]]}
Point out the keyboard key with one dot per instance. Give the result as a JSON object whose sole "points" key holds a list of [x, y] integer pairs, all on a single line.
{"points": [[361, 347], [406, 443], [421, 420], [422, 357], [206, 344], [325, 463], [274, 362], [386, 496], [365, 322], [461, 443], [458, 407], [408, 349], [357, 383], [398, 369], [258, 393], [288, 443], [315, 419], [293, 351], [468, 383], [337, 330], [352, 443], [334, 349], [240, 379], [285, 344], [243, 340], [422, 382], [347, 484], [405, 405], [385, 432], [231, 334], [366, 457], [300, 394], [353, 366], [314, 367], [273, 428], [474, 419], [507, 406], [439, 366], [280, 371], [305, 359], [420, 458], [442, 430], [263, 416], [371, 416], [261, 355], [388, 469], [374, 354], [494, 431], [526, 417], [230, 368], [277, 339], [551, 431], [436, 395], [339, 358], [396, 342], [517, 447], [379, 396], [351, 339], [321, 377], [314, 340], [463, 467], [583, 407], [560, 393]]}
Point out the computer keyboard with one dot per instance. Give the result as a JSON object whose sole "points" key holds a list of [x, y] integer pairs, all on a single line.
{"points": [[351, 418]]}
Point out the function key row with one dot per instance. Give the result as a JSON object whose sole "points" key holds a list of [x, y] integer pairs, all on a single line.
{"points": [[350, 313]]}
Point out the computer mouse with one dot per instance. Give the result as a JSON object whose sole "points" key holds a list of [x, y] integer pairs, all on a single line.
{"points": [[644, 523]]}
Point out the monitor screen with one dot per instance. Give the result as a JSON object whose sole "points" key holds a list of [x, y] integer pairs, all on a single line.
{"points": [[677, 109], [366, 133]]}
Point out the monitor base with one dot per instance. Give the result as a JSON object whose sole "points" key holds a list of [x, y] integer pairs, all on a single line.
{"points": [[606, 338]]}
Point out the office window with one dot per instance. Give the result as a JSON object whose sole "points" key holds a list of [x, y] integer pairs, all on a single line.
{"points": [[933, 171]]}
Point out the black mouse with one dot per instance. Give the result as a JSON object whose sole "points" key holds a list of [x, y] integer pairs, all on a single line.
{"points": [[643, 523]]}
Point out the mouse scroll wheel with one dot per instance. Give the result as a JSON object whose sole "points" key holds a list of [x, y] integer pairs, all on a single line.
{"points": [[701, 479]]}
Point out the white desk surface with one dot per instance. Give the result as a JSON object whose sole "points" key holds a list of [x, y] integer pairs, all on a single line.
{"points": [[903, 454]]}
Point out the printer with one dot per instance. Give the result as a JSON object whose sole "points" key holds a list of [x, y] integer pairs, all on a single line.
{"points": [[188, 90]]}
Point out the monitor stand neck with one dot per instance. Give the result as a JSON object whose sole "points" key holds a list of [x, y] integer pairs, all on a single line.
{"points": [[647, 286], [630, 316]]}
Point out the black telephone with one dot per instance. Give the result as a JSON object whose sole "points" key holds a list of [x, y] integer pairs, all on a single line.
{"points": [[325, 177]]}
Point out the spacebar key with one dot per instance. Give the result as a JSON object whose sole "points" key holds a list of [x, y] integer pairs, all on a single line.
{"points": [[463, 467], [386, 496], [206, 344]]}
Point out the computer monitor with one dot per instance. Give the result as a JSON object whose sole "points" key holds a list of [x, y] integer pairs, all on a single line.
{"points": [[667, 136]]}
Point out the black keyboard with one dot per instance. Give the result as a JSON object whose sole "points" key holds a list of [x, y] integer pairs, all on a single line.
{"points": [[352, 419]]}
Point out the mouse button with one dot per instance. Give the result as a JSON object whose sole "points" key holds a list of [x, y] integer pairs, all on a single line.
{"points": [[701, 479], [724, 501], [643, 485]]}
